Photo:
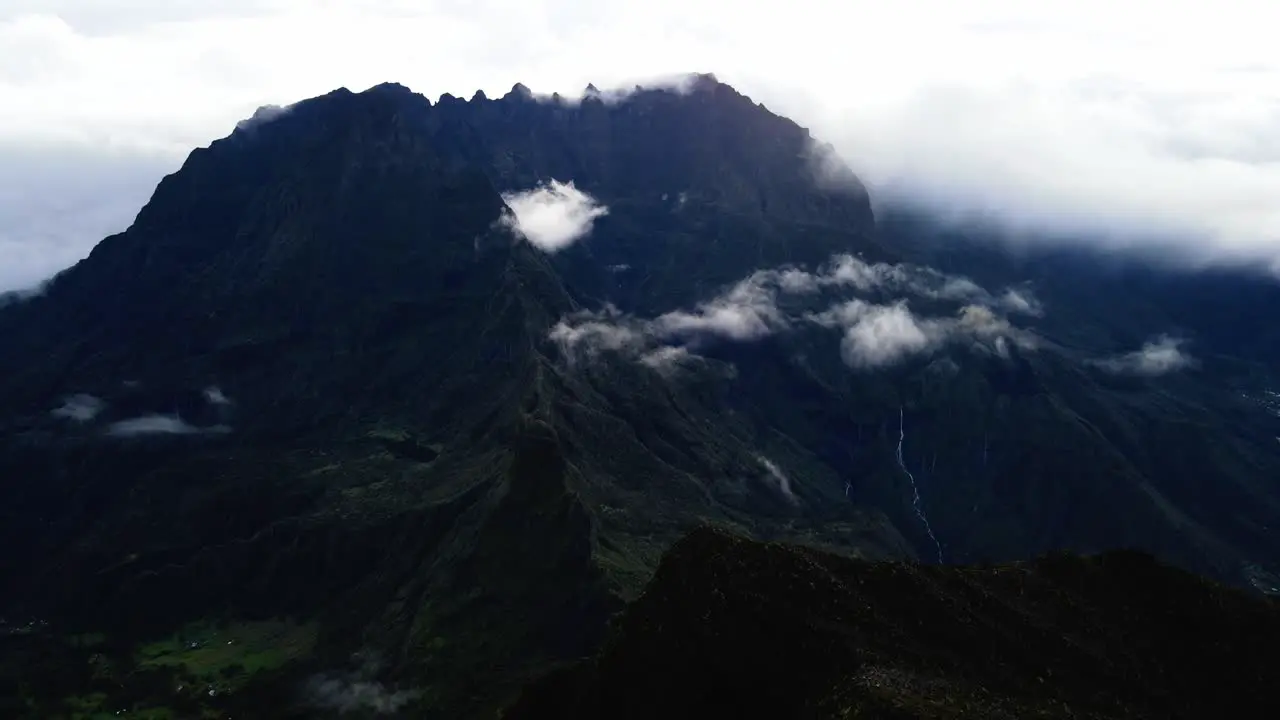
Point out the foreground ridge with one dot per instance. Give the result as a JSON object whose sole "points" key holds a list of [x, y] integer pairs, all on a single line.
{"points": [[731, 626]]}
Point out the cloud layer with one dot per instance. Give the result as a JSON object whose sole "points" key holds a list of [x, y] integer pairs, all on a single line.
{"points": [[159, 425], [552, 217], [875, 333], [79, 408], [778, 478], [1156, 357], [1071, 116]]}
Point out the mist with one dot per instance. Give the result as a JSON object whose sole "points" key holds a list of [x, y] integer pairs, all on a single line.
{"points": [[1144, 128]]}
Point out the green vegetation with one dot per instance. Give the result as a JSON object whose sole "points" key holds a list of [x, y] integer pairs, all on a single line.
{"points": [[201, 671], [225, 656]]}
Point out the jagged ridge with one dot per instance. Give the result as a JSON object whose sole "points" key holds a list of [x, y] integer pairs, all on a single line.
{"points": [[730, 627]]}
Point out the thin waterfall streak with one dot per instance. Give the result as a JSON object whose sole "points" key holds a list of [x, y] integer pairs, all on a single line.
{"points": [[915, 491]]}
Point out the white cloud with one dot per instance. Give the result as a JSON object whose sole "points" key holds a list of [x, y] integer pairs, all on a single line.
{"points": [[875, 335], [554, 216], [1071, 115], [884, 334], [215, 396], [1157, 357], [348, 692], [80, 408], [59, 199], [1020, 301], [159, 425], [666, 359], [850, 272], [262, 116], [782, 482], [587, 333], [748, 311]]}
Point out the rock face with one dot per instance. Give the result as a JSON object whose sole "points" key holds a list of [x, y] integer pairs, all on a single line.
{"points": [[320, 387], [313, 380], [729, 627]]}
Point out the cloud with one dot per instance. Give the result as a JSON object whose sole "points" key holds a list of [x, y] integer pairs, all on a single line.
{"points": [[158, 425], [748, 311], [782, 482], [552, 217], [262, 116], [348, 693], [1020, 301], [681, 83], [59, 199], [215, 396], [875, 334], [853, 272], [745, 311], [81, 408], [667, 359], [1069, 117], [878, 335], [587, 333], [1103, 124], [1157, 357]]}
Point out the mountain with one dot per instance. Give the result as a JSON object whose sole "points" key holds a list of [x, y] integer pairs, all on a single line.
{"points": [[320, 432], [731, 627]]}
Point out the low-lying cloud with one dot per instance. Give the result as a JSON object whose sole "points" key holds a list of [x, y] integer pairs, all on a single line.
{"points": [[779, 479], [553, 216], [347, 692], [80, 408], [158, 425], [214, 395], [748, 311], [1157, 357], [667, 359], [1057, 116], [876, 334], [56, 202], [263, 115], [590, 332]]}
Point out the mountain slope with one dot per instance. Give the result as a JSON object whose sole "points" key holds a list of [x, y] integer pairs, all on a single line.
{"points": [[320, 397], [312, 384], [731, 627]]}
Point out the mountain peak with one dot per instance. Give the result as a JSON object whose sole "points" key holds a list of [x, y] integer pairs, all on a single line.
{"points": [[706, 81], [519, 91], [350, 273], [390, 88]]}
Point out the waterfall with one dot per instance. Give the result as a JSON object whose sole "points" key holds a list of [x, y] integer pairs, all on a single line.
{"points": [[915, 491]]}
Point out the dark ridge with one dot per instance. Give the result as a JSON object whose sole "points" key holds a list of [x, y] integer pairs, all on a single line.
{"points": [[733, 628], [519, 92], [393, 88]]}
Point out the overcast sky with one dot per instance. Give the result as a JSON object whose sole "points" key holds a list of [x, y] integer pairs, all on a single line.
{"points": [[1124, 116]]}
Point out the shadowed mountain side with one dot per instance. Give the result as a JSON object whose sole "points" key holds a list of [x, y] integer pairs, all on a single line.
{"points": [[311, 400], [730, 627], [393, 454]]}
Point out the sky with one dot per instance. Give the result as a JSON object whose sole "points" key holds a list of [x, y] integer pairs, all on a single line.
{"points": [[1117, 123]]}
